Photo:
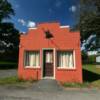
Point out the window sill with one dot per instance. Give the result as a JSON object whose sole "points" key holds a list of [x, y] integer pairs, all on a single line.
{"points": [[62, 68], [32, 67]]}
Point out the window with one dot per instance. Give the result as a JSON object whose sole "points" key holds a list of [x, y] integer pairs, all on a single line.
{"points": [[49, 57], [65, 59], [32, 58]]}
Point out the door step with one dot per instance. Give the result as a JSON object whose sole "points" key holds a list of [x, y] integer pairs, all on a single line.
{"points": [[48, 78], [47, 85]]}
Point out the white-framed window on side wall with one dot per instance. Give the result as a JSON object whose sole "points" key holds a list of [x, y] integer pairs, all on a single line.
{"points": [[66, 59], [32, 59]]}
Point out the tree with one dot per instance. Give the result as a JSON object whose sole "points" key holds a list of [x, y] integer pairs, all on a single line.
{"points": [[89, 18], [5, 10], [9, 35]]}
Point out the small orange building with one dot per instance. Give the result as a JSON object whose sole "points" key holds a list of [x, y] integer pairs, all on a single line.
{"points": [[50, 51]]}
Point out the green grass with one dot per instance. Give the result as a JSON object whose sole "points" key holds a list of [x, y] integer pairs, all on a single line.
{"points": [[76, 85], [91, 78], [8, 65], [9, 80], [92, 68], [91, 74], [14, 81]]}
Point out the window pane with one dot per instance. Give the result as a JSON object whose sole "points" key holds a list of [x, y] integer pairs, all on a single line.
{"points": [[65, 59], [71, 60], [32, 58], [37, 59], [49, 57]]}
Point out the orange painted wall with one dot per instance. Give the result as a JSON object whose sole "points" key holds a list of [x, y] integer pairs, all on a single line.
{"points": [[63, 39]]}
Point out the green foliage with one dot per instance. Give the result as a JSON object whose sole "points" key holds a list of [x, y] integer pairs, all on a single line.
{"points": [[86, 18], [88, 59], [76, 85], [5, 10], [92, 59], [89, 22], [9, 80], [9, 35], [9, 55], [8, 65], [84, 56], [14, 81]]}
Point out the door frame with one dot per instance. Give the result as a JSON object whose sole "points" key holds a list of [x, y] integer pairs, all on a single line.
{"points": [[42, 69]]}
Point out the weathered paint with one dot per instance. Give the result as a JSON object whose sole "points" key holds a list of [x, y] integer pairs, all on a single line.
{"points": [[63, 39]]}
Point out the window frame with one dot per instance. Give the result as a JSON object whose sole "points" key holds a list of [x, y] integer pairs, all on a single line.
{"points": [[25, 66], [66, 67]]}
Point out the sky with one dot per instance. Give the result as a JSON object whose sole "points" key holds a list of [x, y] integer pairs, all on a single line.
{"points": [[30, 12]]}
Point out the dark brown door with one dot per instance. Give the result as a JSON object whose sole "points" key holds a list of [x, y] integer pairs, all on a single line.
{"points": [[48, 63]]}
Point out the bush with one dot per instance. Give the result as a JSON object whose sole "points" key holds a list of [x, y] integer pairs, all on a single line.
{"points": [[84, 57], [9, 56], [92, 59], [8, 65], [88, 59]]}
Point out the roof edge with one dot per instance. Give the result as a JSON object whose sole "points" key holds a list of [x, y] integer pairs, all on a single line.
{"points": [[66, 26]]}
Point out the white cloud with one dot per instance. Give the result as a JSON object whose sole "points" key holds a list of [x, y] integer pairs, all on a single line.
{"points": [[22, 21], [31, 24], [27, 23], [73, 8]]}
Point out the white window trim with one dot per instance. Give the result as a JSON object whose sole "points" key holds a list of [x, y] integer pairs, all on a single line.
{"points": [[31, 67], [74, 56], [35, 67], [66, 67]]}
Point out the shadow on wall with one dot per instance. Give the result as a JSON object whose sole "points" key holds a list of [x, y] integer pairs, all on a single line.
{"points": [[89, 76]]}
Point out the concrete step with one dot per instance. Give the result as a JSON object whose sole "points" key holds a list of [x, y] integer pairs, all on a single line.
{"points": [[49, 85]]}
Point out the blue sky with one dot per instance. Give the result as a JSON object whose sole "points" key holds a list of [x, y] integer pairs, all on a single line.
{"points": [[30, 12]]}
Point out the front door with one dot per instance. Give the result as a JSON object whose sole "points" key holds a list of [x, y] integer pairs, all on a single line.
{"points": [[48, 67]]}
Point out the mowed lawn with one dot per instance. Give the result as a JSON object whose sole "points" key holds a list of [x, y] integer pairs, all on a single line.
{"points": [[91, 74], [8, 65], [91, 78]]}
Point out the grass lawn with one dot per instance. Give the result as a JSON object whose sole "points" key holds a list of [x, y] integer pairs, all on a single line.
{"points": [[91, 77], [91, 74], [14, 81], [8, 65], [92, 68]]}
